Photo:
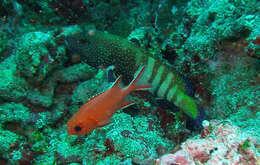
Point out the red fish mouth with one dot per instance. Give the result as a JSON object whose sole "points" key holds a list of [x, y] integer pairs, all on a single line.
{"points": [[70, 130]]}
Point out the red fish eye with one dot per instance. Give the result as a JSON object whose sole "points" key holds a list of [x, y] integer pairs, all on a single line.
{"points": [[77, 128]]}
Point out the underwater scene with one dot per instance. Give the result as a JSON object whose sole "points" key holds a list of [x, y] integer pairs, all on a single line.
{"points": [[130, 82]]}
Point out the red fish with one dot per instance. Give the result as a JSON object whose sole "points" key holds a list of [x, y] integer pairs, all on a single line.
{"points": [[98, 110]]}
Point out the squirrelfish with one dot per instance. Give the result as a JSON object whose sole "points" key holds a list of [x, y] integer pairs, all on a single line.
{"points": [[98, 110]]}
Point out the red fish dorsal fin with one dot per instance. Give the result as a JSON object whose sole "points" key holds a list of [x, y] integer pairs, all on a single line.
{"points": [[117, 82], [93, 97], [133, 86]]}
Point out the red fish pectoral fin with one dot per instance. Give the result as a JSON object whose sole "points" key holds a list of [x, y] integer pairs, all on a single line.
{"points": [[104, 123]]}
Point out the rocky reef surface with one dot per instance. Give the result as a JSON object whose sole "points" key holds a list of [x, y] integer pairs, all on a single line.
{"points": [[215, 44]]}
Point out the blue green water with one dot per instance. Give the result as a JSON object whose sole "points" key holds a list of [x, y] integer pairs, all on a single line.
{"points": [[201, 59]]}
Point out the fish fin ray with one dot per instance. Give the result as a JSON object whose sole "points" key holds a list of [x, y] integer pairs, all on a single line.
{"points": [[104, 123], [117, 82], [111, 76], [126, 104], [133, 86]]}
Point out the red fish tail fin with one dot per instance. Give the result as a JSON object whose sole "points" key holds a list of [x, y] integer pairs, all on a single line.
{"points": [[133, 85]]}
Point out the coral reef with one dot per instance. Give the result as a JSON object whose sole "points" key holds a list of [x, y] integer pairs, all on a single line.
{"points": [[205, 30], [237, 85], [37, 55], [220, 142], [12, 86], [43, 81]]}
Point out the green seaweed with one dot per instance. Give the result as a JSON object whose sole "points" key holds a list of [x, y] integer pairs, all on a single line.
{"points": [[245, 145]]}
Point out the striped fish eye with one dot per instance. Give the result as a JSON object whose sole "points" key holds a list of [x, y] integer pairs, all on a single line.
{"points": [[77, 128]]}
